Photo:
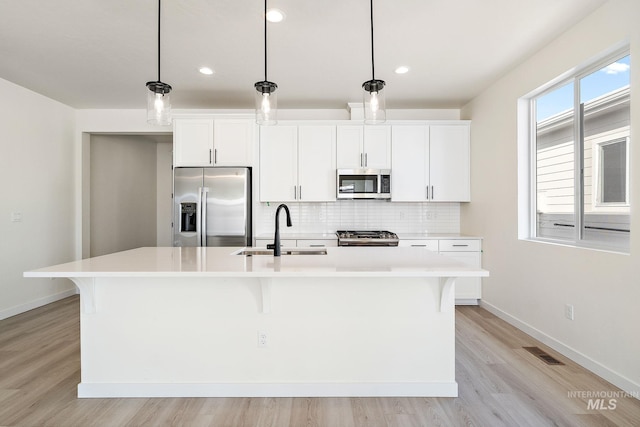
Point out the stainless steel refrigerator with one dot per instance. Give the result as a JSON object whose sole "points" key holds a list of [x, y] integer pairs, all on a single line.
{"points": [[212, 207]]}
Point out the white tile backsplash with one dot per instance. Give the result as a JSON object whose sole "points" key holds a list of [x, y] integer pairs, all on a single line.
{"points": [[361, 215]]}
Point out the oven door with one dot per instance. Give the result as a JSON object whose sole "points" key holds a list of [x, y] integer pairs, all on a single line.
{"points": [[363, 184]]}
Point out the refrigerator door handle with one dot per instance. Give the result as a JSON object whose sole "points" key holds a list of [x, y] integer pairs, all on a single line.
{"points": [[203, 216], [199, 218]]}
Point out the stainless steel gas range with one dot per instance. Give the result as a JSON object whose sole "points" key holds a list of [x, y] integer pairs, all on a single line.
{"points": [[366, 238]]}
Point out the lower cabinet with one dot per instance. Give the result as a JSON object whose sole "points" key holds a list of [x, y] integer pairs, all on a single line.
{"points": [[469, 251], [299, 243]]}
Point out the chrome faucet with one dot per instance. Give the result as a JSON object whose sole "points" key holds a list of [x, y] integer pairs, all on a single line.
{"points": [[277, 250]]}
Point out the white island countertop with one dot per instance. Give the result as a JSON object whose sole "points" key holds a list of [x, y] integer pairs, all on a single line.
{"points": [[222, 262], [204, 322]]}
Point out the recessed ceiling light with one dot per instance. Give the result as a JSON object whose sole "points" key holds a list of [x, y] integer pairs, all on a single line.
{"points": [[206, 70], [275, 15], [402, 70]]}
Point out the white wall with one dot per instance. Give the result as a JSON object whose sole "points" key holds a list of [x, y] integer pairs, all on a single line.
{"points": [[123, 193], [531, 282], [37, 174]]}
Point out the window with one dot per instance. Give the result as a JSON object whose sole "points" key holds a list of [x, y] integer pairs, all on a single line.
{"points": [[612, 176], [578, 144]]}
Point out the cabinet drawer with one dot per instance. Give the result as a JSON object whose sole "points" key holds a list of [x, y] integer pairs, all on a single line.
{"points": [[285, 243], [460, 245], [317, 243], [430, 244]]}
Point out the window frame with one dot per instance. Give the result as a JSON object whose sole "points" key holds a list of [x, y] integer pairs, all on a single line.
{"points": [[527, 157]]}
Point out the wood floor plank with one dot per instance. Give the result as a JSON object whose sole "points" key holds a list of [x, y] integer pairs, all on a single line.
{"points": [[500, 384]]}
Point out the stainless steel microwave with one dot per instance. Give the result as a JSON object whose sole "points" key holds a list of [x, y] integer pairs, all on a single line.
{"points": [[364, 184]]}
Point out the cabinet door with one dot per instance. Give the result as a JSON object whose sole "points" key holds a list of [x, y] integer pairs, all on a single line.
{"points": [[449, 166], [193, 142], [349, 147], [377, 147], [317, 163], [467, 287], [233, 142], [409, 159], [278, 163]]}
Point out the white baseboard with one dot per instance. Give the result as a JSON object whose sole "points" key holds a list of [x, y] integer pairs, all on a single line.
{"points": [[467, 301], [18, 309], [602, 371], [108, 390]]}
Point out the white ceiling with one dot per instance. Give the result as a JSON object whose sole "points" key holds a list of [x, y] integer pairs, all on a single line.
{"points": [[100, 53]]}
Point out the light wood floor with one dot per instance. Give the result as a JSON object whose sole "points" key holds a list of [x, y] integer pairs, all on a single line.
{"points": [[500, 385]]}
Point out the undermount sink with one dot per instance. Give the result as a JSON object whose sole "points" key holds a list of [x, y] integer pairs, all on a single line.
{"points": [[297, 251]]}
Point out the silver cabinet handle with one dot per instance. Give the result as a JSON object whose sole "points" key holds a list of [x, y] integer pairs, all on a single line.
{"points": [[215, 156], [210, 157], [361, 160], [433, 193], [316, 246], [295, 192], [460, 246], [418, 246], [366, 162], [427, 192], [300, 192]]}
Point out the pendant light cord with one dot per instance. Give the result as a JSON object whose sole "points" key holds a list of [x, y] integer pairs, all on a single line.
{"points": [[265, 40], [373, 67], [159, 39]]}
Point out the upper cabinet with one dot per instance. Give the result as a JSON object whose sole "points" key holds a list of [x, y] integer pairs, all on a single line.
{"points": [[193, 142], [450, 164], [233, 141], [297, 163], [363, 147], [278, 163], [431, 163], [213, 142]]}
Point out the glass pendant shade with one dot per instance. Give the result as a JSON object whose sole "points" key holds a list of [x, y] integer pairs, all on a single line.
{"points": [[158, 103], [266, 103], [374, 102]]}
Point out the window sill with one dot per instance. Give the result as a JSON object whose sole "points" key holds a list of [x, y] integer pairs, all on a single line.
{"points": [[588, 246]]}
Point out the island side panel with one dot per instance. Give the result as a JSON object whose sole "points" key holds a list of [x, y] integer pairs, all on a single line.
{"points": [[324, 337]]}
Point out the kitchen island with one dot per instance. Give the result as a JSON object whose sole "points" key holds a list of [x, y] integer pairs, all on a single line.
{"points": [[207, 322]]}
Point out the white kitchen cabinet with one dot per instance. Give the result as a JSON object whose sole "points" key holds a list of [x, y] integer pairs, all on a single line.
{"points": [[297, 164], [233, 141], [316, 163], [430, 163], [299, 243], [410, 163], [449, 165], [469, 251], [205, 141], [285, 243], [317, 243], [364, 147], [193, 141], [278, 163], [431, 244]]}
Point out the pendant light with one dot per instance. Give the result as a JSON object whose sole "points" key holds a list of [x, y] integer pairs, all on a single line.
{"points": [[266, 98], [373, 96], [158, 98]]}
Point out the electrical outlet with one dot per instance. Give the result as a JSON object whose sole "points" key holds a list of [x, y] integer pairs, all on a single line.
{"points": [[263, 339], [568, 311]]}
